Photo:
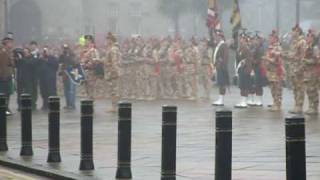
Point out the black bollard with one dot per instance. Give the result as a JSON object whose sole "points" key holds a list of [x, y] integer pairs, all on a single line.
{"points": [[169, 143], [223, 156], [54, 130], [295, 148], [3, 123], [86, 162], [26, 125], [124, 142]]}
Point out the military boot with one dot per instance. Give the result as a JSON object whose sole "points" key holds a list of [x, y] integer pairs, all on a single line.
{"points": [[275, 108], [296, 110], [312, 111]]}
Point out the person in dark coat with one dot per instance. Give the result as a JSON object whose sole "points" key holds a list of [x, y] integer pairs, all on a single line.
{"points": [[6, 68], [25, 65], [48, 67], [35, 51]]}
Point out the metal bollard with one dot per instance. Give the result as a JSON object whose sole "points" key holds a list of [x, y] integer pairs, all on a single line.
{"points": [[223, 156], [54, 130], [295, 148], [124, 142], [26, 125], [3, 123], [86, 162], [169, 142]]}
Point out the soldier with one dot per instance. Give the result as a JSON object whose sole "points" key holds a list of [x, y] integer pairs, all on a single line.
{"points": [[112, 69], [274, 71], [310, 73], [220, 58], [295, 66], [89, 58], [154, 75], [165, 73], [244, 70], [195, 60], [175, 66], [258, 77], [205, 68]]}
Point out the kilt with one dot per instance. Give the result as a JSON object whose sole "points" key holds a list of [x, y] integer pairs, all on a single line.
{"points": [[259, 80], [223, 78], [245, 80]]}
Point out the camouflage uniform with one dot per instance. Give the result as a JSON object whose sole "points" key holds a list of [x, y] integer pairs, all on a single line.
{"points": [[295, 66], [112, 72], [275, 73], [311, 79], [172, 71], [204, 71], [192, 60], [165, 72], [89, 59]]}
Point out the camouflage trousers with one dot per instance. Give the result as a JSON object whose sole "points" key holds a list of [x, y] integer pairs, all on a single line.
{"points": [[312, 89], [191, 84], [90, 84], [114, 91], [276, 92], [204, 82], [298, 89]]}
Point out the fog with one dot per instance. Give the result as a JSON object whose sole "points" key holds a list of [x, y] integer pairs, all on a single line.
{"points": [[68, 19]]}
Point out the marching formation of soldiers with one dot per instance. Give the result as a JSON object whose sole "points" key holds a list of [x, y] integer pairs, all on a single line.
{"points": [[165, 69], [150, 69], [173, 68]]}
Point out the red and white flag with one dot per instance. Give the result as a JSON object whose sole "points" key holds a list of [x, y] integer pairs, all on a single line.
{"points": [[213, 21]]}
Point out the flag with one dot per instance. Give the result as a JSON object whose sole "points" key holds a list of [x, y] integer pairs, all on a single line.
{"points": [[76, 74], [236, 23], [236, 17], [213, 21]]}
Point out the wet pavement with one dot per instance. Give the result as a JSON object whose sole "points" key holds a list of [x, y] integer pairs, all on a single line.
{"points": [[258, 141], [12, 174]]}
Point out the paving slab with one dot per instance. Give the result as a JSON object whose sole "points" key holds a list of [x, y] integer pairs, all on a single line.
{"points": [[258, 141]]}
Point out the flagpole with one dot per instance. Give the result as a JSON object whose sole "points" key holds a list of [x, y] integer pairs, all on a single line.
{"points": [[278, 15], [298, 11], [6, 16], [211, 6]]}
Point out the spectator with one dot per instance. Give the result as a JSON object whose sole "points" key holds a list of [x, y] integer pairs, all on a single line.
{"points": [[25, 64], [6, 68], [48, 67]]}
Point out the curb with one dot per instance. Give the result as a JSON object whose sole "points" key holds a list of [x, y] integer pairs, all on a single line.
{"points": [[37, 170]]}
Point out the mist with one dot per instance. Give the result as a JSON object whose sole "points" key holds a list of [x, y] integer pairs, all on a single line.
{"points": [[69, 19]]}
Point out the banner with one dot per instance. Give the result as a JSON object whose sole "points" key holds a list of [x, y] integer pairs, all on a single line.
{"points": [[76, 74]]}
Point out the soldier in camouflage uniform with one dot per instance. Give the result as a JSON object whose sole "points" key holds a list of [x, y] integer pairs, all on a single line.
{"points": [[90, 59], [165, 69], [196, 60], [311, 79], [274, 71], [205, 69], [156, 87], [112, 69], [294, 58]]}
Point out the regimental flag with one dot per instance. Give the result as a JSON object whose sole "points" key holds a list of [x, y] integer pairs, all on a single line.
{"points": [[236, 17], [236, 23], [76, 74], [213, 21]]}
